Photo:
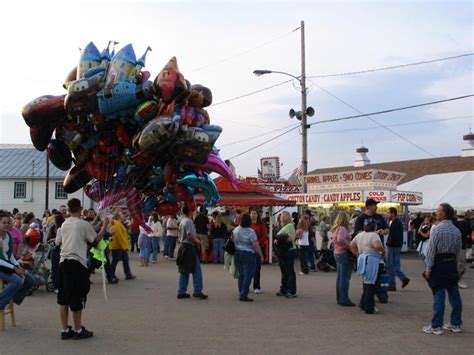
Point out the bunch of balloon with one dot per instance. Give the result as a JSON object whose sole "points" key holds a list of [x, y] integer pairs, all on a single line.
{"points": [[127, 140]]}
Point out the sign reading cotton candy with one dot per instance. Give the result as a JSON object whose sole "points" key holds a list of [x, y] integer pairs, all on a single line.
{"points": [[126, 139]]}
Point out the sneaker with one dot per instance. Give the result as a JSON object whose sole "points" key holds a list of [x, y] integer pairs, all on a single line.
{"points": [[69, 334], [201, 296], [83, 334], [313, 270], [405, 282], [453, 328], [373, 311], [167, 257], [183, 295], [291, 295], [246, 299], [462, 284], [430, 330], [301, 273], [392, 288], [114, 281], [281, 294], [131, 277], [153, 261], [348, 304], [257, 291]]}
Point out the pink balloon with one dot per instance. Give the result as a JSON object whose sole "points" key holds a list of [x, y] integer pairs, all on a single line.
{"points": [[217, 165]]}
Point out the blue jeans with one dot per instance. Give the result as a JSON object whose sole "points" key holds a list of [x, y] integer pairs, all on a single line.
{"points": [[393, 265], [344, 270], [155, 245], [246, 264], [288, 275], [218, 250], [17, 288], [439, 296], [120, 255], [171, 246], [197, 279]]}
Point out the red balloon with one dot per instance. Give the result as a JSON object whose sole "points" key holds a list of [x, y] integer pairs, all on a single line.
{"points": [[40, 136], [123, 137], [167, 208]]}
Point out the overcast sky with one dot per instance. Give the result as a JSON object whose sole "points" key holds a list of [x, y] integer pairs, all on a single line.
{"points": [[219, 44]]}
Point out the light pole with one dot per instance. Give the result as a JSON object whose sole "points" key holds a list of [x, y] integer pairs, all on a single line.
{"points": [[305, 111]]}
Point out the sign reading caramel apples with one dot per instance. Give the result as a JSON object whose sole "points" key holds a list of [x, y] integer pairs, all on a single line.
{"points": [[355, 178]]}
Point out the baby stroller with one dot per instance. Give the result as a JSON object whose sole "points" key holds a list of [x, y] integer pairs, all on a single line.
{"points": [[327, 260], [35, 264]]}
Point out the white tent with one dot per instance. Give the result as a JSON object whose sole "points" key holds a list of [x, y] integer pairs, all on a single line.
{"points": [[457, 189]]}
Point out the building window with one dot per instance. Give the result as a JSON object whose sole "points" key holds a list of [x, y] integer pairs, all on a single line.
{"points": [[60, 193], [19, 190]]}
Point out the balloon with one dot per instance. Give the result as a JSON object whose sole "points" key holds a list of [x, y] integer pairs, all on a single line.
{"points": [[90, 58], [170, 85], [59, 154], [123, 96], [167, 208], [122, 66], [75, 179], [134, 206], [123, 136], [157, 134], [40, 136], [216, 165], [200, 96], [44, 110], [81, 97], [146, 111], [204, 183]]}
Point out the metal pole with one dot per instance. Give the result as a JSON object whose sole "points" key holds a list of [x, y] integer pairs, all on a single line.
{"points": [[46, 197], [304, 127]]}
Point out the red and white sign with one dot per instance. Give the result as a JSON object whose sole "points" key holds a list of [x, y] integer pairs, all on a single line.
{"points": [[327, 197], [283, 189], [355, 178], [378, 195], [270, 168], [407, 198]]}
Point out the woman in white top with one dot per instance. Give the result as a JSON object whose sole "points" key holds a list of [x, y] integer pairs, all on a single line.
{"points": [[302, 237], [155, 237]]}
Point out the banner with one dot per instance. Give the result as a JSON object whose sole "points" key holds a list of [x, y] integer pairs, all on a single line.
{"points": [[270, 168]]}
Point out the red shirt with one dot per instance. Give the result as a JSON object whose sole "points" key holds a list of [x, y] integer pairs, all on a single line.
{"points": [[261, 231]]}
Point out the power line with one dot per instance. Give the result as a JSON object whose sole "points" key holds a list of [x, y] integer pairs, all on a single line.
{"points": [[223, 60], [393, 125], [374, 121], [352, 117], [390, 67]]}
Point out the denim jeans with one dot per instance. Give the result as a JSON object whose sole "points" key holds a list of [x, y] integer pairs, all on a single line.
{"points": [[166, 243], [245, 263], [344, 270], [171, 246], [256, 278], [120, 255], [218, 250], [134, 240], [439, 296], [155, 246], [95, 264], [393, 265], [306, 256], [288, 275], [17, 288], [367, 301], [197, 279]]}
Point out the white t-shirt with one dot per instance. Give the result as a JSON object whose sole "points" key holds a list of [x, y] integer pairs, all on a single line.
{"points": [[157, 229], [172, 223], [304, 241], [75, 234]]}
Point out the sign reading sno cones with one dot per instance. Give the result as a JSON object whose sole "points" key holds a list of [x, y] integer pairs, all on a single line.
{"points": [[270, 168]]}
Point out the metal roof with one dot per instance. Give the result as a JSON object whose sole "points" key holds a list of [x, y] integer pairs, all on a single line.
{"points": [[18, 160]]}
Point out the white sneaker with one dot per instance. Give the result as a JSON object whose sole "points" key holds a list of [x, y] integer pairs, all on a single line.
{"points": [[257, 291], [301, 273], [430, 330], [453, 328], [462, 284]]}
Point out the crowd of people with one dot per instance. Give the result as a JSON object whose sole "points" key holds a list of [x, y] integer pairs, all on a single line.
{"points": [[366, 242]]}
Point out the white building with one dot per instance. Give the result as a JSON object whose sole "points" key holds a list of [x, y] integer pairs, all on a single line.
{"points": [[23, 181]]}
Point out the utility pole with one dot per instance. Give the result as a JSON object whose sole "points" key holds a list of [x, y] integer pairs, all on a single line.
{"points": [[46, 197], [304, 126]]}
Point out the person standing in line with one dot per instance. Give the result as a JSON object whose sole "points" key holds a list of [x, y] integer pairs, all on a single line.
{"points": [[74, 284], [394, 247], [369, 248], [155, 237], [118, 246], [442, 271], [247, 247], [466, 231], [302, 239], [323, 230], [189, 250], [285, 242], [260, 230], [201, 222], [341, 240], [171, 235]]}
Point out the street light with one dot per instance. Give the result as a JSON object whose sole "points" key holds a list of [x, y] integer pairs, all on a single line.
{"points": [[305, 111]]}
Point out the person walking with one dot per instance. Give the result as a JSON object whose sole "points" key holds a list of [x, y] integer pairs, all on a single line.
{"points": [[155, 236], [442, 271], [302, 239], [286, 249], [118, 246], [74, 284], [465, 228], [394, 247], [260, 230], [188, 258], [341, 240], [323, 231], [247, 247], [369, 248], [134, 233]]}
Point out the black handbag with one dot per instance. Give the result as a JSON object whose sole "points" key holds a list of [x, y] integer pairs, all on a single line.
{"points": [[229, 246]]}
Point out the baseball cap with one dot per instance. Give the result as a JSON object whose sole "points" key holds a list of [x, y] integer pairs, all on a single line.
{"points": [[371, 202], [461, 213], [358, 209], [34, 226]]}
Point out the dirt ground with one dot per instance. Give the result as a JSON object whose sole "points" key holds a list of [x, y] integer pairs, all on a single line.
{"points": [[143, 316]]}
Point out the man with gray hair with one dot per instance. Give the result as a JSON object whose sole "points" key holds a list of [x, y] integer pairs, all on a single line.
{"points": [[442, 271]]}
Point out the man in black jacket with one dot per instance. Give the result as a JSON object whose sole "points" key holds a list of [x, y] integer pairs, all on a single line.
{"points": [[394, 246]]}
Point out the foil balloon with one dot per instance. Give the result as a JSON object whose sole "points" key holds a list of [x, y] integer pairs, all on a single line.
{"points": [[75, 179], [40, 136], [90, 58], [59, 154], [170, 85]]}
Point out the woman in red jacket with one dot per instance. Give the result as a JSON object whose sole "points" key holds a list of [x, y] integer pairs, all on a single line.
{"points": [[261, 231]]}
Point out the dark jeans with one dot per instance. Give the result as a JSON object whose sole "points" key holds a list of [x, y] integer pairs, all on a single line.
{"points": [[134, 240], [439, 296], [367, 301], [95, 264], [55, 257], [120, 255], [245, 262], [256, 278], [171, 246], [306, 256], [344, 270], [393, 265], [218, 245], [288, 275]]}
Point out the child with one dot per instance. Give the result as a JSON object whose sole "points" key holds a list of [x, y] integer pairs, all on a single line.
{"points": [[143, 245]]}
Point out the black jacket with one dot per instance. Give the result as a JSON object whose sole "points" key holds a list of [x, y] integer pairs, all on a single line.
{"points": [[186, 259], [395, 234]]}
